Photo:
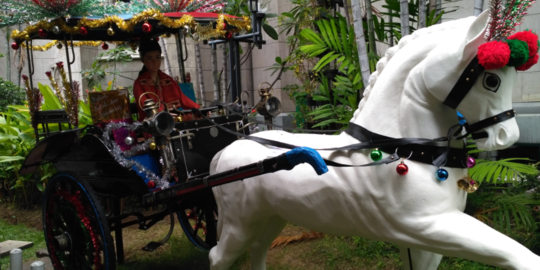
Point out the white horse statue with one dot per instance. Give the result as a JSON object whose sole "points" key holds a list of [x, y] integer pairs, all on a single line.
{"points": [[417, 212]]}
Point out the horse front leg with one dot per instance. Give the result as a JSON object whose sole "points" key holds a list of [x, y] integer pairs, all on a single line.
{"points": [[456, 234], [416, 259]]}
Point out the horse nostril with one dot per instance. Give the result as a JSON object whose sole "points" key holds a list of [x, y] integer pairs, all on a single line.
{"points": [[502, 136]]}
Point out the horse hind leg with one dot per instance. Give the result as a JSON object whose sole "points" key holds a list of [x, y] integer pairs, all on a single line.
{"points": [[416, 259], [456, 234], [259, 248]]}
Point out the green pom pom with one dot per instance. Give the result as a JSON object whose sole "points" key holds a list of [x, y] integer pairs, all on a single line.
{"points": [[519, 52]]}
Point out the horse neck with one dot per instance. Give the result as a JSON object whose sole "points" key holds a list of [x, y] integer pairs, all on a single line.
{"points": [[400, 106]]}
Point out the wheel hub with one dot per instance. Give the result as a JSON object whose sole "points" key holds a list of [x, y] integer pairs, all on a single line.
{"points": [[62, 242]]}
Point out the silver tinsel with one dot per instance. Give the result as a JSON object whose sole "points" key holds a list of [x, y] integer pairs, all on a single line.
{"points": [[121, 156]]}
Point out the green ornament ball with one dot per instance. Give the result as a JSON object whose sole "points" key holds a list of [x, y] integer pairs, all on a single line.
{"points": [[519, 52], [376, 155]]}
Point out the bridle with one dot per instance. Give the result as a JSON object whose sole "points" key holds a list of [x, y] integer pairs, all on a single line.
{"points": [[463, 86]]}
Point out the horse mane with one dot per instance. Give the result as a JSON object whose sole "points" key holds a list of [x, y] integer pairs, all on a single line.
{"points": [[381, 64]]}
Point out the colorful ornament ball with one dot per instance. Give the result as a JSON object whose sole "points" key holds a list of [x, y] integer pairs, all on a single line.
{"points": [[402, 169], [110, 31], [105, 46], [83, 31], [42, 33], [15, 46], [441, 174], [471, 162], [146, 27], [376, 155]]}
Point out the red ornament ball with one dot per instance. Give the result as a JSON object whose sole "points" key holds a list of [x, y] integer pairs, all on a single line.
{"points": [[105, 46], [83, 31], [228, 35], [530, 38], [42, 33], [494, 54], [224, 26], [157, 38], [15, 46], [531, 62], [151, 185], [146, 27], [402, 169]]}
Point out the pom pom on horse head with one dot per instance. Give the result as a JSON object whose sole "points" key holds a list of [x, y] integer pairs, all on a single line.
{"points": [[411, 102]]}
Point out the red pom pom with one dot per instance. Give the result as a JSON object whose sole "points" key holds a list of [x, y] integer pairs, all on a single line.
{"points": [[531, 62], [494, 54], [530, 38]]}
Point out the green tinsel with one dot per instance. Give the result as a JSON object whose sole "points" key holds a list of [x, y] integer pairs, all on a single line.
{"points": [[519, 52], [26, 11]]}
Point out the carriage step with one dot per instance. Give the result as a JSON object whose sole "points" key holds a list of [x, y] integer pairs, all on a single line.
{"points": [[151, 246]]}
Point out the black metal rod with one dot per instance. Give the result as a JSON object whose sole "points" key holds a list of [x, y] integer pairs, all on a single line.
{"points": [[180, 56], [29, 67], [67, 59], [72, 51], [32, 59], [118, 232]]}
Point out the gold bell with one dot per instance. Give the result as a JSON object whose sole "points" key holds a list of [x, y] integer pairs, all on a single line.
{"points": [[468, 184], [179, 119], [110, 31], [152, 146]]}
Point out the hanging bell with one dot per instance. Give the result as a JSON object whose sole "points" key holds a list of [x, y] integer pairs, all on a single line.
{"points": [[110, 31], [56, 30]]}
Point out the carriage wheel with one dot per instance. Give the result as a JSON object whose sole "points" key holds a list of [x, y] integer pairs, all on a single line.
{"points": [[76, 231], [198, 218]]}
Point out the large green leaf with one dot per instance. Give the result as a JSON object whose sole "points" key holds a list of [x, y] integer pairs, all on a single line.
{"points": [[10, 158], [486, 170], [51, 100], [312, 36], [270, 31]]}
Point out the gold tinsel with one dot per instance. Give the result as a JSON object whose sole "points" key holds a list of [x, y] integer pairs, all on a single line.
{"points": [[67, 87], [128, 25], [58, 91], [74, 44]]}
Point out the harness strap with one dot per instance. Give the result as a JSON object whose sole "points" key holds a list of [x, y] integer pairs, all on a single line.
{"points": [[471, 129], [464, 84], [424, 150]]}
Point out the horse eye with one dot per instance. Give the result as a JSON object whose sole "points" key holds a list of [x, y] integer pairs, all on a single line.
{"points": [[491, 82]]}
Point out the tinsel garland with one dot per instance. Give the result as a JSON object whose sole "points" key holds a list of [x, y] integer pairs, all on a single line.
{"points": [[80, 210], [34, 98], [24, 11], [120, 156], [505, 18], [128, 25], [178, 5], [73, 103], [54, 85], [73, 114]]}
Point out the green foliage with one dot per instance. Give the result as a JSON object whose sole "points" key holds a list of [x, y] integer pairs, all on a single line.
{"points": [[22, 233], [511, 208], [97, 72], [241, 7], [10, 94], [501, 171], [341, 102]]}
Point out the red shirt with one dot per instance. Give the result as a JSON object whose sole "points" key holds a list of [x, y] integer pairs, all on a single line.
{"points": [[170, 93]]}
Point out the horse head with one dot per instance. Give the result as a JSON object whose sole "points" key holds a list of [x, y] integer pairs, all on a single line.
{"points": [[480, 81]]}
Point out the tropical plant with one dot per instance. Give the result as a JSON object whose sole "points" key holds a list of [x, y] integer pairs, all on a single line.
{"points": [[97, 72], [341, 101], [17, 139], [10, 94]]}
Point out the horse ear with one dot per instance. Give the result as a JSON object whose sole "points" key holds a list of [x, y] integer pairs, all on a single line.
{"points": [[476, 35]]}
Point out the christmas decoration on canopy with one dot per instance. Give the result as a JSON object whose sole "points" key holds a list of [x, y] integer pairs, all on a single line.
{"points": [[23, 11], [54, 85], [178, 5]]}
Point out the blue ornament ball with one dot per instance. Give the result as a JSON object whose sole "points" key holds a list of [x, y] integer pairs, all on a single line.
{"points": [[441, 174]]}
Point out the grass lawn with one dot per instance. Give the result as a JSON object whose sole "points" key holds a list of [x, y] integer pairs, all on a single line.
{"points": [[327, 252], [21, 232]]}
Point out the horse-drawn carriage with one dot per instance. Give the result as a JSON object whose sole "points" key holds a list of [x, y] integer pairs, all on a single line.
{"points": [[160, 160]]}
